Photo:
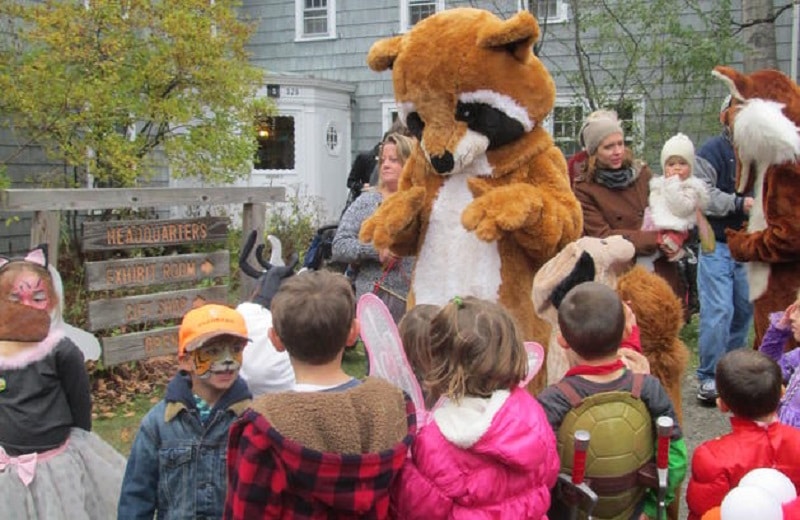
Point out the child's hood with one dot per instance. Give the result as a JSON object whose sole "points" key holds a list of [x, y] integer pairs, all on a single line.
{"points": [[179, 396], [357, 440], [500, 427]]}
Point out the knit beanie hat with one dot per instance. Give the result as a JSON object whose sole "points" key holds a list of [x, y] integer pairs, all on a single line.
{"points": [[599, 125], [678, 145]]}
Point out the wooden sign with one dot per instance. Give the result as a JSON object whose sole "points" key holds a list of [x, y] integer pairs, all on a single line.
{"points": [[103, 236], [149, 308], [140, 345], [138, 272]]}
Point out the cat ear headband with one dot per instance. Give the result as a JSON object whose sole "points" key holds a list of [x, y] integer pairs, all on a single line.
{"points": [[37, 256]]}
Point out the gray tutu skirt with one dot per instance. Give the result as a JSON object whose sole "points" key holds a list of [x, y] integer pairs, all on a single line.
{"points": [[80, 480]]}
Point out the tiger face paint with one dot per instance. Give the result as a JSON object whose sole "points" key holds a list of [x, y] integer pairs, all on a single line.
{"points": [[219, 356]]}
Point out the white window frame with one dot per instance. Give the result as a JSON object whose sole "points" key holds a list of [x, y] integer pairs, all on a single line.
{"points": [[299, 9], [560, 16], [388, 108], [634, 140], [405, 13], [563, 102]]}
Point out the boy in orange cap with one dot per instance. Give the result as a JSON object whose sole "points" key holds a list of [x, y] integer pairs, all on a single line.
{"points": [[177, 463]]}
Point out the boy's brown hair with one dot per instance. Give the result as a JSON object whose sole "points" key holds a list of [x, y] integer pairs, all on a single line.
{"points": [[749, 383], [476, 349], [312, 314], [592, 320]]}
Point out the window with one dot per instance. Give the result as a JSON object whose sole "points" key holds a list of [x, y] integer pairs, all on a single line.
{"points": [[412, 11], [275, 137], [332, 142], [565, 121], [550, 11], [315, 19]]}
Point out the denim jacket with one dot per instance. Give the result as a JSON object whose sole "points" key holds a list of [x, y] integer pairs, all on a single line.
{"points": [[176, 469]]}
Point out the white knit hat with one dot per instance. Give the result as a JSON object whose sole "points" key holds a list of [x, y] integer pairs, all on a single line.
{"points": [[678, 145]]}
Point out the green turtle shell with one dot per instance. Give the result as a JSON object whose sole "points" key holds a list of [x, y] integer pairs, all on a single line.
{"points": [[621, 442]]}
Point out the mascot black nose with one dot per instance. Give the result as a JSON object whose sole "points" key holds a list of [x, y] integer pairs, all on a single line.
{"points": [[442, 163]]}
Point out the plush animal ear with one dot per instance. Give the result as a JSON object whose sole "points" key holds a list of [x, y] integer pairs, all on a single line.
{"points": [[516, 35], [383, 53], [3, 261], [737, 82], [38, 255], [584, 271]]}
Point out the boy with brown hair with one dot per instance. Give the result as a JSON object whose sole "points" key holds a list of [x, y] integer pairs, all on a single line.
{"points": [[750, 387], [332, 446], [591, 319], [176, 469]]}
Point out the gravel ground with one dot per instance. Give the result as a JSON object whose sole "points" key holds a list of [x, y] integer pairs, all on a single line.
{"points": [[700, 423]]}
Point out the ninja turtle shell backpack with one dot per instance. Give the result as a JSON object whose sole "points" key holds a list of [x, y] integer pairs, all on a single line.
{"points": [[619, 460]]}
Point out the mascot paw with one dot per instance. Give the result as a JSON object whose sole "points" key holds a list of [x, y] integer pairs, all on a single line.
{"points": [[394, 215], [502, 210], [737, 241]]}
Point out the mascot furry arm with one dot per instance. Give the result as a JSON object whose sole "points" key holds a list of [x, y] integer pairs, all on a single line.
{"points": [[484, 200], [764, 121]]}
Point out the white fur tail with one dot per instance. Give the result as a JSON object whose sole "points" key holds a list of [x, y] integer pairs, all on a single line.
{"points": [[764, 135]]}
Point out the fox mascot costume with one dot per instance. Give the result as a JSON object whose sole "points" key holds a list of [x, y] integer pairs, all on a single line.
{"points": [[484, 201], [764, 121]]}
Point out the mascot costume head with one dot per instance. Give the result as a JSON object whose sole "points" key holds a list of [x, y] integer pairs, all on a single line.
{"points": [[764, 119], [484, 200]]}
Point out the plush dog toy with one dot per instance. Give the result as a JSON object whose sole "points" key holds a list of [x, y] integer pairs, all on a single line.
{"points": [[765, 120], [658, 311], [484, 200]]}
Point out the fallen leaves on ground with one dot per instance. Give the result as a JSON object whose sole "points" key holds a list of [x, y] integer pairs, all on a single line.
{"points": [[115, 387]]}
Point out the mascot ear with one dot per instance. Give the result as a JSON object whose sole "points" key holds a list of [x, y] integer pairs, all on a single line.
{"points": [[383, 53], [737, 83], [516, 35]]}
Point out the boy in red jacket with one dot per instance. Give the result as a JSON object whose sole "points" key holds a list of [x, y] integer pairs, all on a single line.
{"points": [[749, 386]]}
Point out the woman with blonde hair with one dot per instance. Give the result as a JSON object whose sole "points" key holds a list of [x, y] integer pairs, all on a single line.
{"points": [[368, 265]]}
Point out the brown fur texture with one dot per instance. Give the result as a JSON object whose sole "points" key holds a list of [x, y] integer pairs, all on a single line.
{"points": [[519, 202], [659, 315], [777, 245]]}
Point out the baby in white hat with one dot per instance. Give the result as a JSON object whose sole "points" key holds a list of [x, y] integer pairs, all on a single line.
{"points": [[675, 197]]}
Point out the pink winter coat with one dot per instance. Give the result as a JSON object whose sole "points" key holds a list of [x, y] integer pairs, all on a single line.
{"points": [[482, 458]]}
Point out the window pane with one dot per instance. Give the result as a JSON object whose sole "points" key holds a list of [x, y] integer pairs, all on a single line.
{"points": [[275, 144], [315, 17], [545, 8], [419, 10], [567, 122]]}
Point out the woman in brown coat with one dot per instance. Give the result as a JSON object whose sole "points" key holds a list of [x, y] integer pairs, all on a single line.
{"points": [[613, 189]]}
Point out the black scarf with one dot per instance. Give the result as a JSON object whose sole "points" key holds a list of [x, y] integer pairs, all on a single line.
{"points": [[615, 179]]}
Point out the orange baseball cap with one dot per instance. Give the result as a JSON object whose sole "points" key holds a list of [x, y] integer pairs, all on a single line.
{"points": [[209, 321]]}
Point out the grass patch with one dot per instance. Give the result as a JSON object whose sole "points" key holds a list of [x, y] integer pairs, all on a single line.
{"points": [[120, 429]]}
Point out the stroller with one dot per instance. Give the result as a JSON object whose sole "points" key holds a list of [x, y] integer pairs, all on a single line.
{"points": [[319, 252]]}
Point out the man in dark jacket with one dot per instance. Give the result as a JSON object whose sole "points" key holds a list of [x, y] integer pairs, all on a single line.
{"points": [[725, 308]]}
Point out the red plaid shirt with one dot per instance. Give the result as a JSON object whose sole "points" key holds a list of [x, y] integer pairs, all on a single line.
{"points": [[270, 476]]}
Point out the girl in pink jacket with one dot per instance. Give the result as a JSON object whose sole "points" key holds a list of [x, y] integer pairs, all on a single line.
{"points": [[489, 451]]}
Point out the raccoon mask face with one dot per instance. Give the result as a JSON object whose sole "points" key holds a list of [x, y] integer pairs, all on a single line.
{"points": [[468, 87]]}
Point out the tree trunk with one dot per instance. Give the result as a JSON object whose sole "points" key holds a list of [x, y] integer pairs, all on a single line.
{"points": [[760, 36]]}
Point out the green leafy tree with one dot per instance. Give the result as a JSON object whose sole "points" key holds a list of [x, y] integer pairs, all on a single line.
{"points": [[659, 53], [116, 87]]}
